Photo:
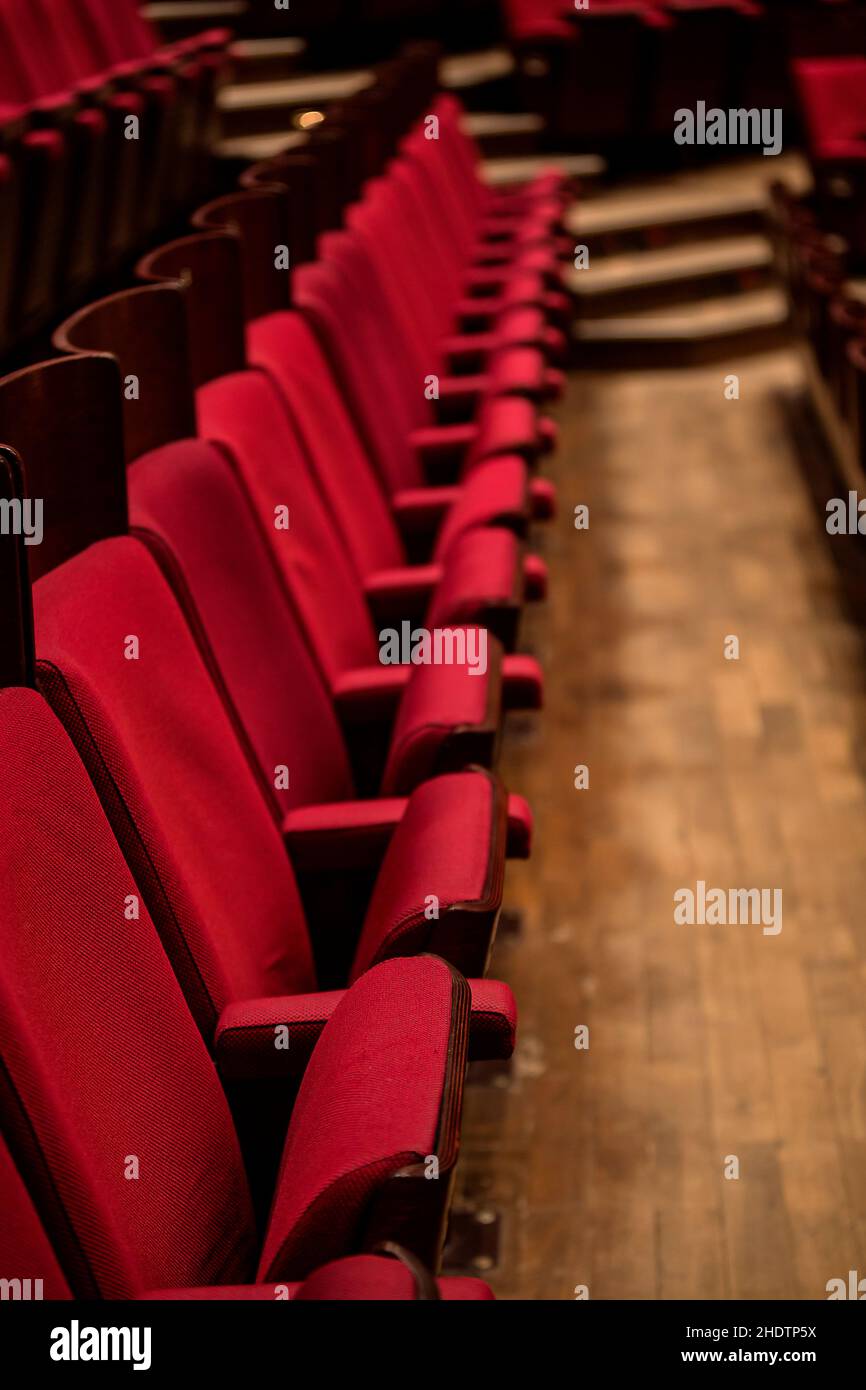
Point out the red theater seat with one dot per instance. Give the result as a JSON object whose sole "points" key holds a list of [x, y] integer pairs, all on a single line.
{"points": [[131, 1156], [252, 849], [220, 886], [355, 1279], [284, 344], [832, 95], [430, 716], [245, 413]]}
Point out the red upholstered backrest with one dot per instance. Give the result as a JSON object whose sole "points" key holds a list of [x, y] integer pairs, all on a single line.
{"points": [[26, 72], [71, 37], [188, 494], [833, 97], [179, 791], [347, 1136], [395, 334], [122, 33], [285, 345], [244, 413], [536, 19], [377, 1278], [133, 30], [350, 339], [25, 1250], [113, 1099]]}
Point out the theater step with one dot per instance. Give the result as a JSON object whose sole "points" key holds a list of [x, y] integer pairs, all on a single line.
{"points": [[502, 133], [249, 149], [266, 60], [696, 206], [585, 167], [484, 81], [180, 19], [260, 108], [634, 280], [750, 321]]}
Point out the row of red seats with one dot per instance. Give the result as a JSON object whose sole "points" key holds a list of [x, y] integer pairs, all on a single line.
{"points": [[103, 133], [617, 70], [250, 874], [832, 97]]}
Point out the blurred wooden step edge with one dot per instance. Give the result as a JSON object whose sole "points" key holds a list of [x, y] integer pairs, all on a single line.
{"points": [[266, 60], [670, 275], [502, 134], [180, 19], [684, 334], [501, 172]]}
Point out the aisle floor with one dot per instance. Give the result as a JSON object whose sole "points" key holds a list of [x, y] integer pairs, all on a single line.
{"points": [[706, 1042]]}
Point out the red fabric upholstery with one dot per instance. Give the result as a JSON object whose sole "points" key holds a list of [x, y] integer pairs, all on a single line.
{"points": [[110, 1094], [494, 1020], [284, 345], [244, 414], [218, 885], [365, 1112], [104, 1058], [345, 835], [832, 95], [26, 1251], [497, 491], [188, 494], [203, 845], [248, 1034], [372, 1278], [386, 415], [205, 686], [484, 572], [357, 1278], [447, 833], [438, 701]]}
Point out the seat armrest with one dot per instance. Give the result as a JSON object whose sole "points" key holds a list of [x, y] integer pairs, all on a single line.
{"points": [[342, 835], [370, 694], [459, 397], [420, 510], [520, 825], [223, 1293], [262, 1038], [492, 1021], [442, 448], [403, 592], [452, 839], [467, 353]]}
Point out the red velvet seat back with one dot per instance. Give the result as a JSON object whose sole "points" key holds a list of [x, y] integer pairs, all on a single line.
{"points": [[244, 413], [25, 1250], [351, 339], [120, 35], [27, 71], [184, 803], [833, 99], [132, 29], [188, 494], [286, 345], [117, 1106], [75, 35], [533, 19]]}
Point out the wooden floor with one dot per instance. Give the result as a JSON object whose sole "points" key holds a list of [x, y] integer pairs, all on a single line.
{"points": [[607, 1165]]}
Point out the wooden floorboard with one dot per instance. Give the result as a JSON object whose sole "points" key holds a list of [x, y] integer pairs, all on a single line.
{"points": [[607, 1165]]}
